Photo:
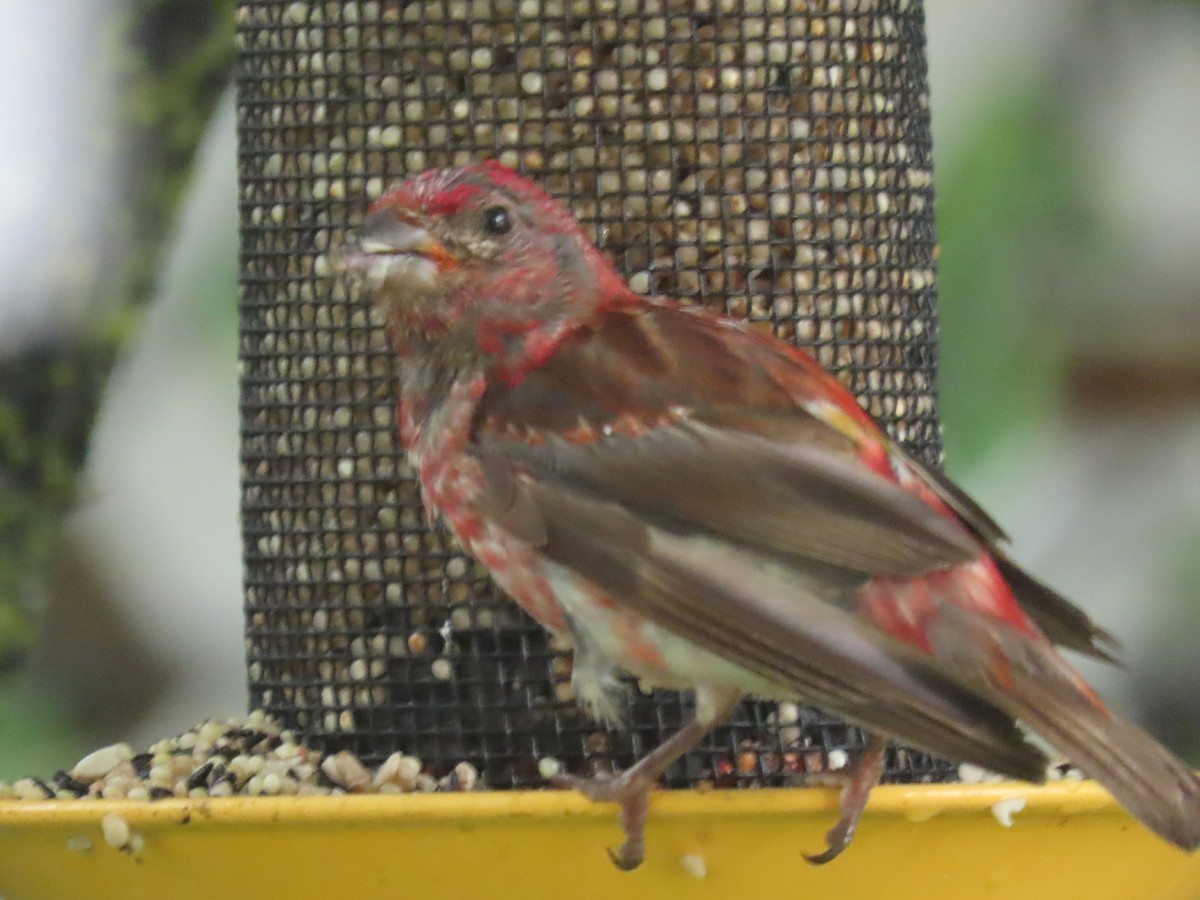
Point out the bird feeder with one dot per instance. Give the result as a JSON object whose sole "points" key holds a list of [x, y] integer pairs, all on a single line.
{"points": [[770, 160]]}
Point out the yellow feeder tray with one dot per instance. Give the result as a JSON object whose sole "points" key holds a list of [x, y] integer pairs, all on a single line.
{"points": [[921, 842]]}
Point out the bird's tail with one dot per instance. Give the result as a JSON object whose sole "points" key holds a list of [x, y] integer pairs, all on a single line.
{"points": [[1142, 775]]}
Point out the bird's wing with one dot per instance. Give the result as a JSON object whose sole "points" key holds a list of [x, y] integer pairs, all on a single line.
{"points": [[700, 475], [690, 419]]}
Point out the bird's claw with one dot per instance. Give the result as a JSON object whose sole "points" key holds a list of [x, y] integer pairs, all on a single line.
{"points": [[632, 794], [624, 858], [837, 839], [858, 782]]}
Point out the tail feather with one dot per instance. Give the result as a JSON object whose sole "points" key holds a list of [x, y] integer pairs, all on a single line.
{"points": [[1142, 775], [1060, 620]]}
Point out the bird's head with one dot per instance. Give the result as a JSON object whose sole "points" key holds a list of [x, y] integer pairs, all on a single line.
{"points": [[477, 244]]}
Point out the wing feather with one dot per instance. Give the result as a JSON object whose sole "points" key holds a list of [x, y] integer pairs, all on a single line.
{"points": [[790, 499], [771, 619]]}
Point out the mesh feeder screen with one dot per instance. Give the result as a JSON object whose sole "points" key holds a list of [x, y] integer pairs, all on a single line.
{"points": [[770, 158]]}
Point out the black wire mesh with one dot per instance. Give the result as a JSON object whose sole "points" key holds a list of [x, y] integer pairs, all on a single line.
{"points": [[767, 157]]}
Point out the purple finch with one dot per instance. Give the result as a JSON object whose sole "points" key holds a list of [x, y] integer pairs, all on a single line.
{"points": [[700, 505]]}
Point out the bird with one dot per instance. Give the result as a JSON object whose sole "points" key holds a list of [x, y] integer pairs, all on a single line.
{"points": [[693, 502]]}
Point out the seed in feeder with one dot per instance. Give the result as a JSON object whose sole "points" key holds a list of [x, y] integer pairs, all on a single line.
{"points": [[100, 762], [659, 131], [387, 770], [296, 13], [465, 776], [1003, 810], [693, 864], [116, 831], [789, 713], [344, 769], [31, 789], [608, 183], [407, 770], [971, 774], [837, 759], [442, 669], [221, 789], [417, 643], [548, 767]]}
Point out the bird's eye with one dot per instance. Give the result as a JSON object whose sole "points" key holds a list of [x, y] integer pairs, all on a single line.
{"points": [[496, 220]]}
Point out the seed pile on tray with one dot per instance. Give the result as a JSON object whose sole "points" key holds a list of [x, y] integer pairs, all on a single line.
{"points": [[770, 158], [254, 757]]}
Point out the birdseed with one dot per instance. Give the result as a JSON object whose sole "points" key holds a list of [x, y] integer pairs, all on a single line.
{"points": [[223, 758]]}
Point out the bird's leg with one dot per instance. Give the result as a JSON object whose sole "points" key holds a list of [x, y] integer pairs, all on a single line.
{"points": [[862, 777], [631, 788]]}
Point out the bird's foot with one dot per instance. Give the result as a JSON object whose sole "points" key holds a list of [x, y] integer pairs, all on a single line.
{"points": [[858, 783], [604, 787], [631, 789], [632, 793]]}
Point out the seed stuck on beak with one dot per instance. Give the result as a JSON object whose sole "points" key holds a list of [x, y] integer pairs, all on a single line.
{"points": [[393, 248]]}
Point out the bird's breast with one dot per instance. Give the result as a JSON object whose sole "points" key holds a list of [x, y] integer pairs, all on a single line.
{"points": [[452, 481], [633, 644]]}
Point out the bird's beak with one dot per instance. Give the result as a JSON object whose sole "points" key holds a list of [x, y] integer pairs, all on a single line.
{"points": [[397, 258], [385, 234]]}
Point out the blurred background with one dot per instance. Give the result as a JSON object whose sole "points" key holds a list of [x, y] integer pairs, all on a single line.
{"points": [[1068, 186]]}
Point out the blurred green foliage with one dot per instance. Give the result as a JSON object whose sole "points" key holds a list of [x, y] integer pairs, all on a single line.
{"points": [[36, 737], [1013, 232], [16, 632]]}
